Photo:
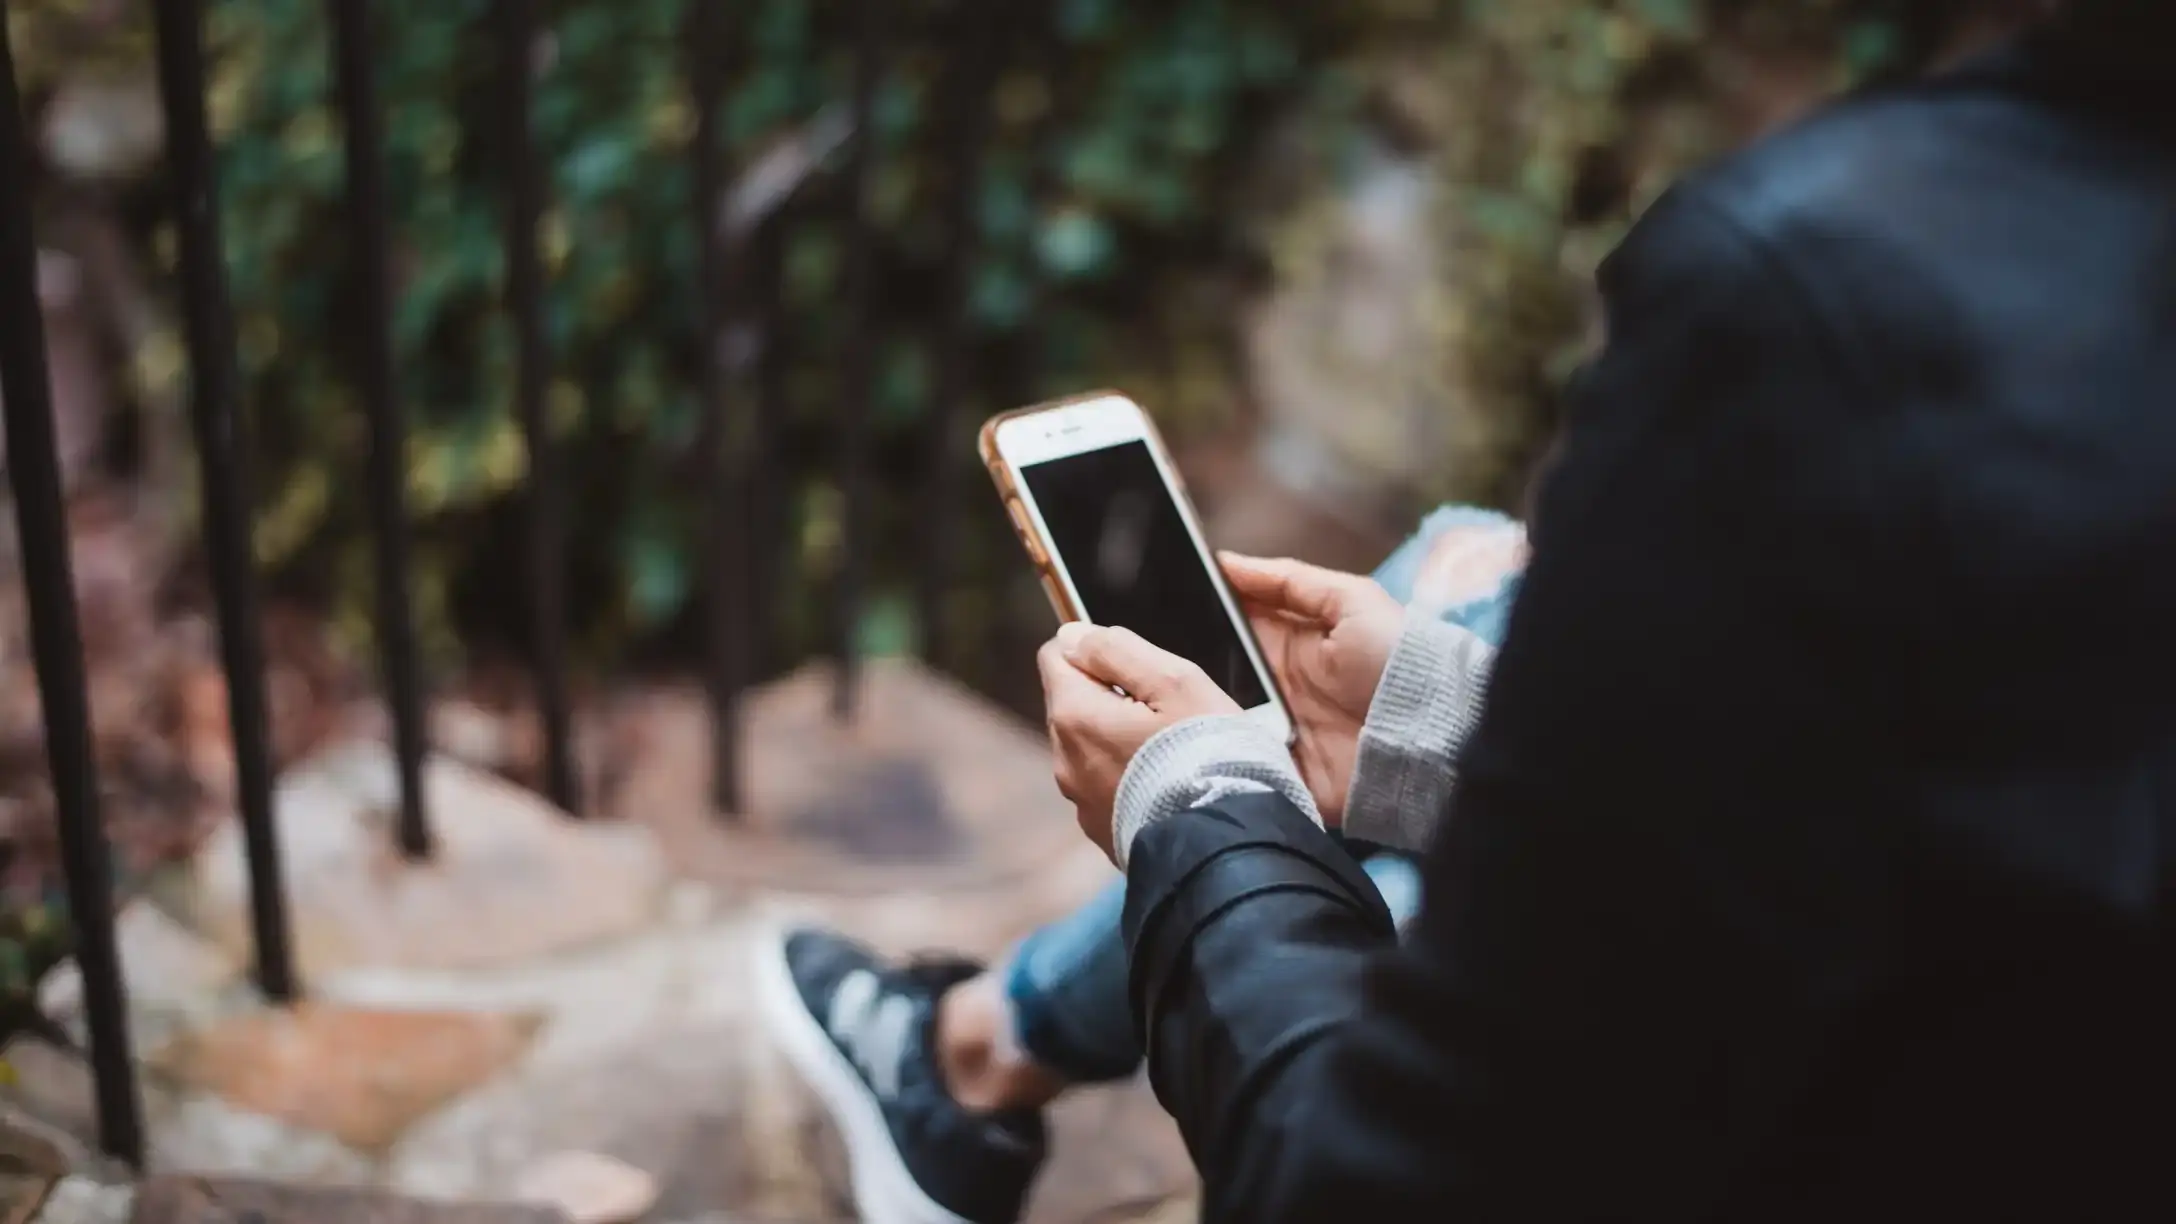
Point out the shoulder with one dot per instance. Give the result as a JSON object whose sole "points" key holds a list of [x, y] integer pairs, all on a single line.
{"points": [[1861, 165], [1896, 199], [1880, 158], [1874, 231], [1931, 331]]}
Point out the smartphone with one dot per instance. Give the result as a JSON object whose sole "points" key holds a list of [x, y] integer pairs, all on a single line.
{"points": [[1104, 516]]}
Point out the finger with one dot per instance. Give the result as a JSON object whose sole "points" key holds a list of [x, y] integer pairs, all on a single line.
{"points": [[1271, 622], [1271, 629], [1071, 697], [1280, 637], [1296, 587], [1061, 680], [1122, 657]]}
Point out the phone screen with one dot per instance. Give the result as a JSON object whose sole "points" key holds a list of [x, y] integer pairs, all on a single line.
{"points": [[1118, 531]]}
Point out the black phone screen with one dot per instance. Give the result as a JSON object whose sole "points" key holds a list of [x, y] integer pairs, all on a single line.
{"points": [[1118, 531]]}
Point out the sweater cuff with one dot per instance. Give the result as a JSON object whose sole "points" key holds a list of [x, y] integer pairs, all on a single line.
{"points": [[1427, 704], [1197, 761]]}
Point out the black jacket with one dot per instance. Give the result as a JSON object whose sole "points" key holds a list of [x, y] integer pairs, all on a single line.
{"points": [[1813, 857]]}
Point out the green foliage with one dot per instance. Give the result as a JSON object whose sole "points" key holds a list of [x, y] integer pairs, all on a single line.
{"points": [[1592, 107], [1117, 127], [1106, 213]]}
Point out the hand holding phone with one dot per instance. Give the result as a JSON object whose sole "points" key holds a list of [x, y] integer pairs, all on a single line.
{"points": [[1102, 513], [1328, 638], [1095, 731]]}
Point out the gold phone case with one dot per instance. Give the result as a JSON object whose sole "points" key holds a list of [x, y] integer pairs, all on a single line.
{"points": [[1045, 569]]}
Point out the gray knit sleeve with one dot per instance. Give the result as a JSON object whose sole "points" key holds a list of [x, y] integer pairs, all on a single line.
{"points": [[1195, 762], [1424, 708]]}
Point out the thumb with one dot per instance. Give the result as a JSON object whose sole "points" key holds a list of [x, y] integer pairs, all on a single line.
{"points": [[1121, 657], [1296, 587], [1068, 690]]}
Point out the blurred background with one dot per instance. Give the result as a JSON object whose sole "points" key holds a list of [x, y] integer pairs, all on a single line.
{"points": [[1343, 251]]}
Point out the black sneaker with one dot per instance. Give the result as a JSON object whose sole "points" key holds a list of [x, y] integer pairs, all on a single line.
{"points": [[861, 1033]]}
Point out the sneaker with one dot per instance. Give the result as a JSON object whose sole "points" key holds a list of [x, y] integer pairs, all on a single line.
{"points": [[861, 1033]]}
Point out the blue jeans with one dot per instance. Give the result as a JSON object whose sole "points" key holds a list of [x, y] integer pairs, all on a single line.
{"points": [[1067, 980]]}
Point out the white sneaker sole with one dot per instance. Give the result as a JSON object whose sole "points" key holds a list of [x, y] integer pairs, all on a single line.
{"points": [[884, 1192]]}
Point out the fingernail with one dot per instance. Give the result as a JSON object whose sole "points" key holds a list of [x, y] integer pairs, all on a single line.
{"points": [[1069, 635]]}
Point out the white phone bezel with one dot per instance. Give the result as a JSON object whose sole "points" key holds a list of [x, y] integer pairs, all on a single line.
{"points": [[1094, 424]]}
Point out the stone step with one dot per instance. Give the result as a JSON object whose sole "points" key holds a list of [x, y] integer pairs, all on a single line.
{"points": [[927, 787], [30, 1165], [551, 987], [512, 878], [225, 1200]]}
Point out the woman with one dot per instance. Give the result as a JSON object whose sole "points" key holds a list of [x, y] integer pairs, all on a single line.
{"points": [[947, 1122]]}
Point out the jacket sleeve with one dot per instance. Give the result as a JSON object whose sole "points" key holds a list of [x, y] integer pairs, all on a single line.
{"points": [[1653, 901]]}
